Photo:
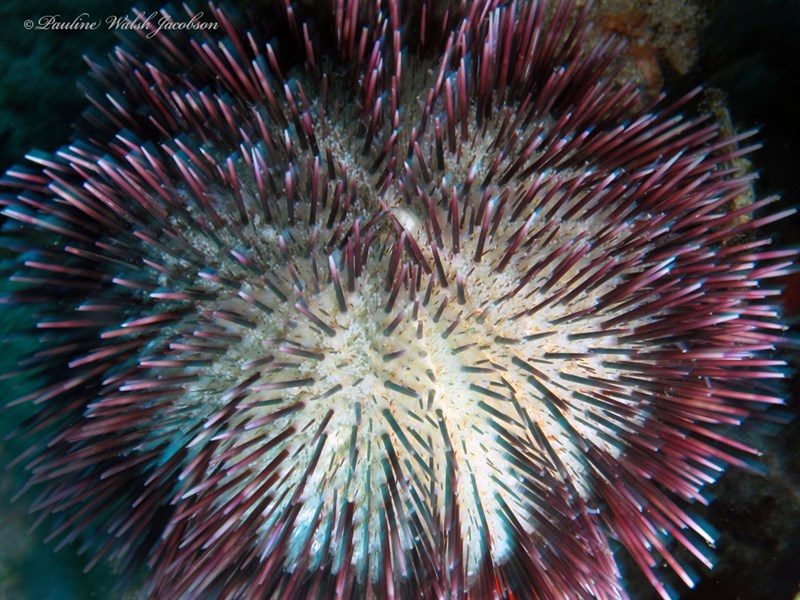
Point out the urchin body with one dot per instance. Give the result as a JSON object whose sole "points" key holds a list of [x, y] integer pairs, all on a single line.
{"points": [[448, 338]]}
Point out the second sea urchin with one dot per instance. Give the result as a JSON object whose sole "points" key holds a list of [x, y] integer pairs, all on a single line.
{"points": [[376, 303]]}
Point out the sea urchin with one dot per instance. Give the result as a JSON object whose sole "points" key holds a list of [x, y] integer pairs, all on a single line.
{"points": [[375, 302]]}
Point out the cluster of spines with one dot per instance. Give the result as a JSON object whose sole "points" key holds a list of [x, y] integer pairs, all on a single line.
{"points": [[228, 155]]}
